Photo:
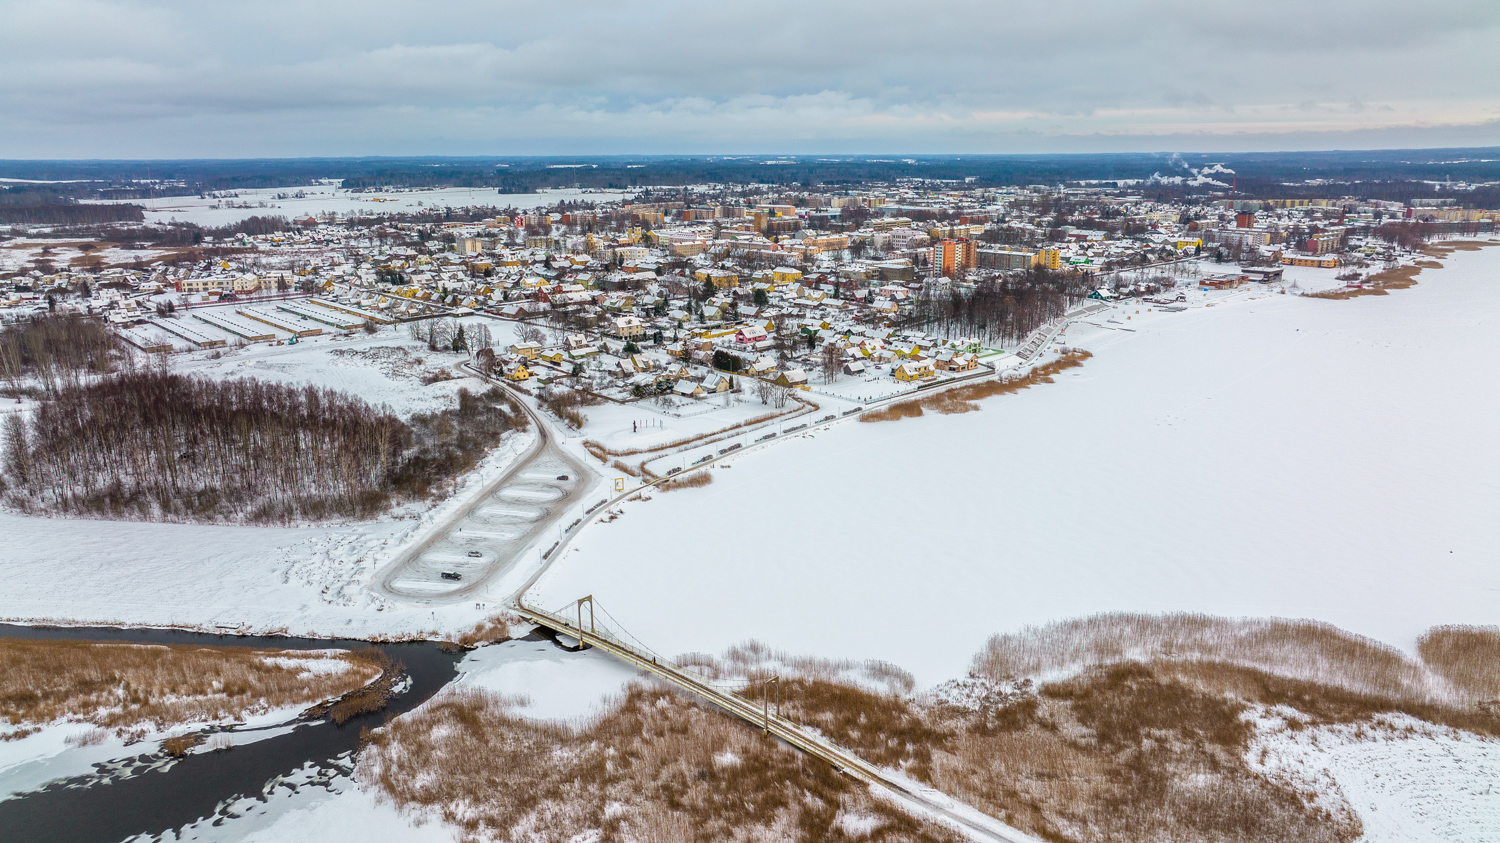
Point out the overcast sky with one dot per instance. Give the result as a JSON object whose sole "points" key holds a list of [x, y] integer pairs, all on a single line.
{"points": [[132, 79]]}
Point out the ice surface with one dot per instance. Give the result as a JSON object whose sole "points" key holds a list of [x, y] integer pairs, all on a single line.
{"points": [[1269, 456]]}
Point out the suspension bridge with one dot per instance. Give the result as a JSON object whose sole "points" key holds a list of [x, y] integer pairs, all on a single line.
{"points": [[588, 623]]}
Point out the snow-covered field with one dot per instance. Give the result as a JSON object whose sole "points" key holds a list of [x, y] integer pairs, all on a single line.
{"points": [[211, 211], [1407, 781], [1268, 456], [644, 425], [384, 369], [303, 581], [546, 682]]}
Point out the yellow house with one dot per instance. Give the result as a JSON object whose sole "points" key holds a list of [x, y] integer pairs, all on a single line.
{"points": [[1320, 261], [556, 355], [519, 373], [529, 350], [1189, 242], [914, 370], [785, 275]]}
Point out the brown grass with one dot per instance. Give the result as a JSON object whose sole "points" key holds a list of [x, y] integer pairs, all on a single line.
{"points": [[690, 480], [1121, 752], [1306, 650], [491, 631], [1146, 738], [119, 686], [753, 662], [656, 767], [180, 745], [960, 399], [1448, 247], [1379, 284], [1126, 753], [1467, 656], [365, 699]]}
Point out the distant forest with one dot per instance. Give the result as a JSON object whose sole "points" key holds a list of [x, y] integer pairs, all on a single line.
{"points": [[111, 439], [41, 209], [1383, 174]]}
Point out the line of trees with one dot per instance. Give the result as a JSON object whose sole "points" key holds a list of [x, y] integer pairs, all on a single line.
{"points": [[155, 445], [67, 212], [57, 351]]}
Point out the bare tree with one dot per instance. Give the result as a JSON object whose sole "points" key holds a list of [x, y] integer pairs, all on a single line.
{"points": [[829, 362], [529, 332], [764, 390], [479, 338]]}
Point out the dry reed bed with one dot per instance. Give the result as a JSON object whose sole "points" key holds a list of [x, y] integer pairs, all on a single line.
{"points": [[1306, 650], [490, 631], [118, 686], [960, 399], [1379, 284], [1123, 753], [1144, 737], [691, 480], [753, 662], [1448, 247], [656, 767], [1467, 656]]}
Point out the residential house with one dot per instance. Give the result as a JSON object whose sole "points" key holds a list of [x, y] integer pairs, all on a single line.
{"points": [[763, 365], [792, 377], [750, 334], [914, 370], [629, 327], [953, 361]]}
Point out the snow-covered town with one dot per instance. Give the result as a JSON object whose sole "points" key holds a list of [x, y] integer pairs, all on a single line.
{"points": [[723, 288], [679, 423], [675, 341]]}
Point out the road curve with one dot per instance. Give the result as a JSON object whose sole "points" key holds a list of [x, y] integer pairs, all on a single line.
{"points": [[484, 538]]}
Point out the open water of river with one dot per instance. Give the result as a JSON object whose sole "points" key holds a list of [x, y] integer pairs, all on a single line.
{"points": [[150, 797]]}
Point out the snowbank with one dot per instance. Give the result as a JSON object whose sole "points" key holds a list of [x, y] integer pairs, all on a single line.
{"points": [[546, 681], [1407, 781]]}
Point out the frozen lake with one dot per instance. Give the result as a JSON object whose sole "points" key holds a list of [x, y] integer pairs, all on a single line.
{"points": [[1268, 456]]}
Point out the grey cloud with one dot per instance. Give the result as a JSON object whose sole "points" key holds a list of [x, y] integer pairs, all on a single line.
{"points": [[132, 78]]}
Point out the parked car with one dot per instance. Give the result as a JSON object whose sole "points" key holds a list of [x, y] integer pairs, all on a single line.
{"points": [[562, 477], [474, 554], [452, 575]]}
